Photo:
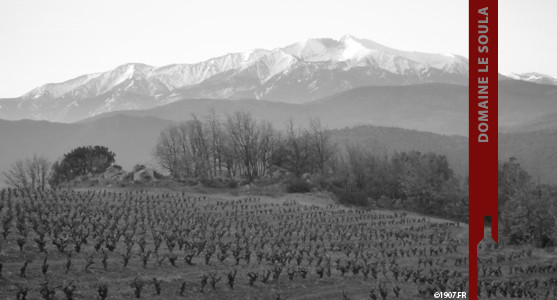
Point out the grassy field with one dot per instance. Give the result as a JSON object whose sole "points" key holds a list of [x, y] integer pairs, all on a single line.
{"points": [[182, 245]]}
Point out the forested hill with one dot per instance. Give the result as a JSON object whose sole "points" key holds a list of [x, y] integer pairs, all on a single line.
{"points": [[133, 140]]}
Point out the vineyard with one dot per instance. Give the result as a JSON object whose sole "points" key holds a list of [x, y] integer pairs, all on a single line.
{"points": [[123, 244]]}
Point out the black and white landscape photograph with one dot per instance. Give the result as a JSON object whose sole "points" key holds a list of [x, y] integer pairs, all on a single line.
{"points": [[267, 150]]}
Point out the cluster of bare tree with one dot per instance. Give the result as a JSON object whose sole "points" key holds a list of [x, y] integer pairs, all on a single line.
{"points": [[240, 146], [29, 173]]}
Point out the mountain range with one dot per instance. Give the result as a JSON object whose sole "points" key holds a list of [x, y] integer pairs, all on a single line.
{"points": [[297, 73]]}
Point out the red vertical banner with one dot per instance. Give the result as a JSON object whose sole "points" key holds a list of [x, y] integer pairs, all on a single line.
{"points": [[483, 128]]}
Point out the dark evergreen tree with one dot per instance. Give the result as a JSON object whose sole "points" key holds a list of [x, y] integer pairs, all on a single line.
{"points": [[81, 161]]}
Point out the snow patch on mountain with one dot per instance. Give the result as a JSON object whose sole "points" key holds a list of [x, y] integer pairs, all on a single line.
{"points": [[532, 77], [56, 90]]}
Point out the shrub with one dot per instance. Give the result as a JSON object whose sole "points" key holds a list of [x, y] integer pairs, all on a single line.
{"points": [[298, 186], [352, 198], [386, 202], [220, 182], [81, 161], [158, 176], [321, 181], [232, 184]]}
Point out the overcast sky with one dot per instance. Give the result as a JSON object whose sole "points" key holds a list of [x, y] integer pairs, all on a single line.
{"points": [[51, 41]]}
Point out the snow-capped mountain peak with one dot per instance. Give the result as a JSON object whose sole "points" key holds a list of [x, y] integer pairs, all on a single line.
{"points": [[367, 52], [299, 72], [324, 49]]}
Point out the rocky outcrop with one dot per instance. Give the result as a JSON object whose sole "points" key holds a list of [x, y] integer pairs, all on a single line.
{"points": [[144, 175], [113, 173]]}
